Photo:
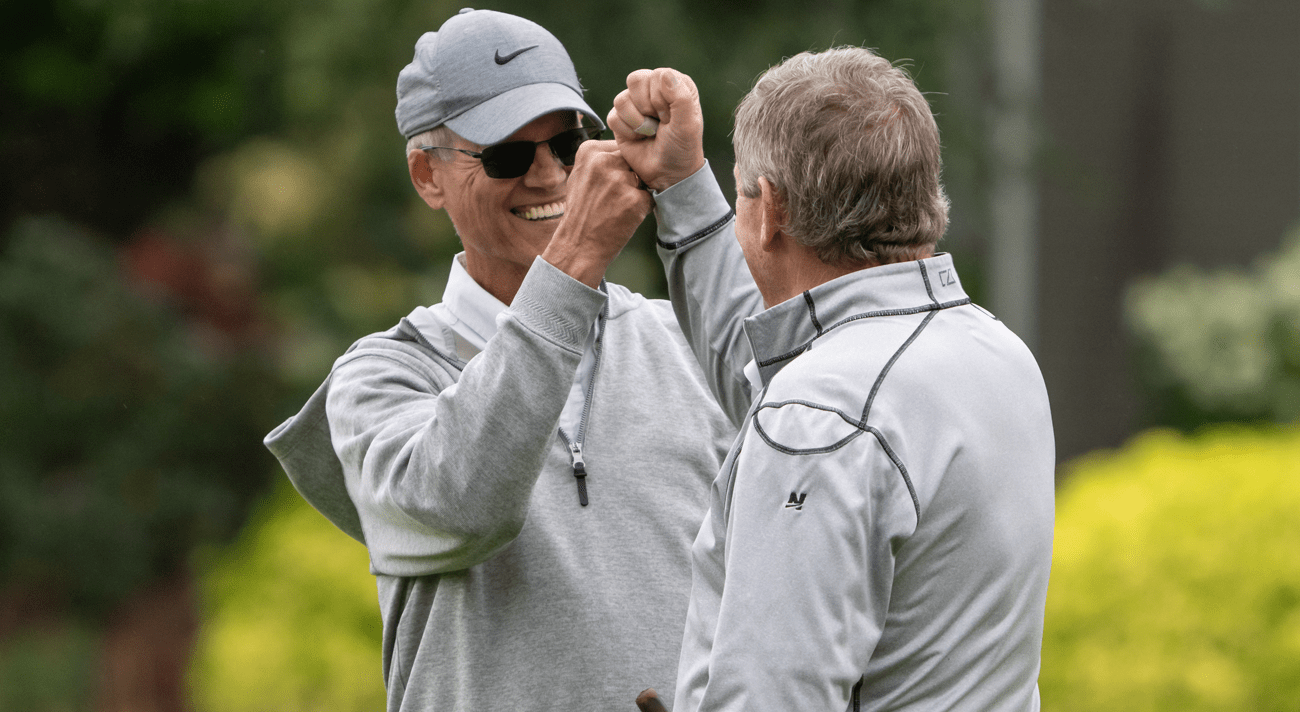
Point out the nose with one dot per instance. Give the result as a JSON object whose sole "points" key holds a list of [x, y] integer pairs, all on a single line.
{"points": [[547, 171]]}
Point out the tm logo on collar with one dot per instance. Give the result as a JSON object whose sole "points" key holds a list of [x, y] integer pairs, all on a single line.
{"points": [[796, 501], [512, 55]]}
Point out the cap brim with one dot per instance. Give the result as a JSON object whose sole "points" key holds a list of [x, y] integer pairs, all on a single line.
{"points": [[497, 118]]}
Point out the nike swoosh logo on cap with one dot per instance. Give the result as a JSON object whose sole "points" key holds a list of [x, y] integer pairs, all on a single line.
{"points": [[512, 55]]}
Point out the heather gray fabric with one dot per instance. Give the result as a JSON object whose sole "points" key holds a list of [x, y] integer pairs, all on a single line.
{"points": [[485, 75], [886, 514], [497, 589]]}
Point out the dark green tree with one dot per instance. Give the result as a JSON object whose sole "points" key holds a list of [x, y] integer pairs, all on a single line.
{"points": [[131, 432]]}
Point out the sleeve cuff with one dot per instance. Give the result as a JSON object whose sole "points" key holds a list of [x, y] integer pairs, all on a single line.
{"points": [[691, 210], [557, 306]]}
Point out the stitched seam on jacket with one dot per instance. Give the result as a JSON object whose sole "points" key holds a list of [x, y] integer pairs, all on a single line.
{"points": [[901, 312], [868, 315], [758, 428], [925, 276], [902, 470], [861, 425], [880, 379], [860, 429], [696, 237], [812, 312], [785, 356]]}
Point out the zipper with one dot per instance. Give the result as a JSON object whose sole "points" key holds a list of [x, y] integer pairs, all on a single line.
{"points": [[575, 444], [579, 471]]}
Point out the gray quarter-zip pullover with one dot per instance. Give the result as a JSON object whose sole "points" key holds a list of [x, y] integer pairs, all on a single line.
{"points": [[499, 590]]}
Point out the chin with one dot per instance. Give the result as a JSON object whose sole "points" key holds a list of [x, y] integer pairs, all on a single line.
{"points": [[546, 227], [537, 233]]}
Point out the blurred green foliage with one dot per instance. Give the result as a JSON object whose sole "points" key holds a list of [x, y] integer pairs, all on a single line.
{"points": [[291, 618], [1222, 345], [1176, 576], [48, 670], [106, 108], [129, 437]]}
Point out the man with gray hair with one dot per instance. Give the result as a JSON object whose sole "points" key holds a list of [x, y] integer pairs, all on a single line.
{"points": [[880, 534], [527, 461]]}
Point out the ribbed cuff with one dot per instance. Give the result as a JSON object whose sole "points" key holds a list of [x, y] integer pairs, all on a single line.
{"points": [[557, 306]]}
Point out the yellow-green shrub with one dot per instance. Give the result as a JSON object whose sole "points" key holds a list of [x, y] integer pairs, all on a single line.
{"points": [[1176, 576], [291, 619]]}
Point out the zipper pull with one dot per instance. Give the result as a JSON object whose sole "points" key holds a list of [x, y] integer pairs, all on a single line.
{"points": [[579, 472]]}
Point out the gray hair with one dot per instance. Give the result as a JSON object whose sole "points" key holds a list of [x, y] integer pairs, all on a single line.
{"points": [[852, 148], [440, 136]]}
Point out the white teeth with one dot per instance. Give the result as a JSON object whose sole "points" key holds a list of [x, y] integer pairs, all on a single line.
{"points": [[540, 212]]}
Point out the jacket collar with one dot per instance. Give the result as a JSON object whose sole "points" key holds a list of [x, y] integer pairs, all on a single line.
{"points": [[781, 333]]}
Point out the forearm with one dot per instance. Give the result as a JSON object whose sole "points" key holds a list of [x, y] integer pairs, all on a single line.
{"points": [[710, 286]]}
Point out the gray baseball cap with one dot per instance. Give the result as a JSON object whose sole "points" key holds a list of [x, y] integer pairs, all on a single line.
{"points": [[485, 75]]}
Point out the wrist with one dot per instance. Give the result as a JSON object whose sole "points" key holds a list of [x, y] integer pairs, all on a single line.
{"points": [[568, 256], [671, 178]]}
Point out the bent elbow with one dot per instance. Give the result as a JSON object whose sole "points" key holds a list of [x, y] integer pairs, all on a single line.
{"points": [[423, 542]]}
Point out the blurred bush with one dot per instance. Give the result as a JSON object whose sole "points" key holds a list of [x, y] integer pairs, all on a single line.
{"points": [[1176, 576], [131, 433], [1222, 345], [291, 618], [50, 670]]}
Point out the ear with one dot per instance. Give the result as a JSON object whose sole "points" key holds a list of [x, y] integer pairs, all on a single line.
{"points": [[771, 236], [426, 177]]}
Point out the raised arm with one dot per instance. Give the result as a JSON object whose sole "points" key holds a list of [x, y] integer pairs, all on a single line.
{"points": [[441, 473], [710, 286]]}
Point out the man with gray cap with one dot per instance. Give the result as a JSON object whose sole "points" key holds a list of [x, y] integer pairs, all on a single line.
{"points": [[527, 461]]}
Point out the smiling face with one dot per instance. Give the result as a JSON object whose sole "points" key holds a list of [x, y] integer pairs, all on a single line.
{"points": [[504, 223]]}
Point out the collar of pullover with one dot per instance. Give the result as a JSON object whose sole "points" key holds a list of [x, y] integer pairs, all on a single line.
{"points": [[781, 333], [473, 308]]}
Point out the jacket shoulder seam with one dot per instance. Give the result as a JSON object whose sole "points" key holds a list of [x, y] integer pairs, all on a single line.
{"points": [[859, 428]]}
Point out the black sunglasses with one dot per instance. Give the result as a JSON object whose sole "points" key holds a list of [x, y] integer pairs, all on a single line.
{"points": [[513, 158]]}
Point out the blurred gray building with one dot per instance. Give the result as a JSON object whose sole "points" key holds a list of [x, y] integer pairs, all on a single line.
{"points": [[1129, 136]]}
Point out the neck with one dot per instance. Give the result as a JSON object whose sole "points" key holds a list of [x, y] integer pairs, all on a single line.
{"points": [[800, 270], [502, 280]]}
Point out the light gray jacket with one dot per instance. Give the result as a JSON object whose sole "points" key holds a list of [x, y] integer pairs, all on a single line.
{"points": [[880, 535], [498, 589]]}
